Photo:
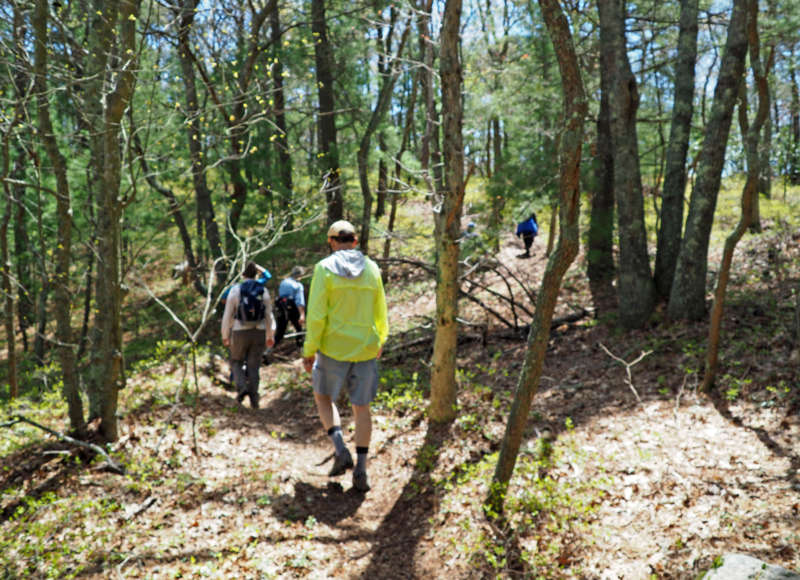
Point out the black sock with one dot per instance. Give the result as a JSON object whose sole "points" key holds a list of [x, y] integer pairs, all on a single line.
{"points": [[361, 462], [335, 433]]}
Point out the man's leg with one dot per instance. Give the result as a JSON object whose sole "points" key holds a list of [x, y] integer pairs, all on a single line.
{"points": [[256, 343], [238, 376], [280, 323], [331, 422], [363, 421], [294, 318]]}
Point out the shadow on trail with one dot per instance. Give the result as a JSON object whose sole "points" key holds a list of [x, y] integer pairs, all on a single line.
{"points": [[723, 408], [404, 526], [328, 505]]}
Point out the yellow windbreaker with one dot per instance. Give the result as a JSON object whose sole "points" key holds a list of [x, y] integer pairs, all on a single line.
{"points": [[346, 315]]}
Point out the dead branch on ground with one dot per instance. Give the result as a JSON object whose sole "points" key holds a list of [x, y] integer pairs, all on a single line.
{"points": [[110, 463]]}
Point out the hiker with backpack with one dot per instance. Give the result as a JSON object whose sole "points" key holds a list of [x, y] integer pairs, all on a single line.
{"points": [[528, 229], [290, 306], [247, 330], [346, 327]]}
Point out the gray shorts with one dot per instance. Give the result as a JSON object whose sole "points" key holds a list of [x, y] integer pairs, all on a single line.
{"points": [[330, 375]]}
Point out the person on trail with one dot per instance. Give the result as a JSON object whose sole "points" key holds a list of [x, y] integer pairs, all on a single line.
{"points": [[290, 306], [247, 330], [528, 229], [346, 328]]}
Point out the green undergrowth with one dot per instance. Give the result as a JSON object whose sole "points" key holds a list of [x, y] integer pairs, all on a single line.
{"points": [[548, 511]]}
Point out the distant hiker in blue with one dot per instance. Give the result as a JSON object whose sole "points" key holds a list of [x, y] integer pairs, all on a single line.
{"points": [[290, 306], [528, 229]]}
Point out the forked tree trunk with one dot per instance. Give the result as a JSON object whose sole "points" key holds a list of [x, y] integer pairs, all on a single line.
{"points": [[575, 109], [635, 287], [688, 293]]}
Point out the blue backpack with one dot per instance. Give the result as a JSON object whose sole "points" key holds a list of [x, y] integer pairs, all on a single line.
{"points": [[251, 305]]}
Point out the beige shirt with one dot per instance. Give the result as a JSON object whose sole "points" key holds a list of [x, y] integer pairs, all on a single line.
{"points": [[230, 322]]}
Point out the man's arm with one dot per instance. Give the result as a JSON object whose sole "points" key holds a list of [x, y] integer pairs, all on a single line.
{"points": [[231, 303]]}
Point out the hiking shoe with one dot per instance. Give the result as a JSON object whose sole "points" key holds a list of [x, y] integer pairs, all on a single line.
{"points": [[360, 481], [341, 463], [240, 397]]}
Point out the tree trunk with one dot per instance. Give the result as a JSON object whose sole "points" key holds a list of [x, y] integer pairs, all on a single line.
{"points": [[794, 115], [329, 151], [281, 142], [669, 236], [635, 287], [64, 212], [384, 98], [115, 29], [194, 130], [751, 136], [600, 251], [5, 269], [687, 296], [447, 218], [575, 110], [23, 252]]}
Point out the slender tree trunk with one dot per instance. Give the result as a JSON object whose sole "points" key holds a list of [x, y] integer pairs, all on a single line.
{"points": [[63, 252], [23, 252], [281, 142], [575, 110], [329, 151], [384, 98], [752, 136], [448, 222], [688, 294], [107, 366], [794, 115], [397, 184], [669, 236], [5, 269], [635, 287], [600, 252], [194, 129], [383, 178]]}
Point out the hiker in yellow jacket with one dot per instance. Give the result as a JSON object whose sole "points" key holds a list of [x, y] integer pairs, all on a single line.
{"points": [[346, 327]]}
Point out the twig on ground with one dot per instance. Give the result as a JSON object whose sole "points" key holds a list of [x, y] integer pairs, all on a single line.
{"points": [[628, 365]]}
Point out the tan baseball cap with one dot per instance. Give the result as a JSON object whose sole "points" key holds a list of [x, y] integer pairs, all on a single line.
{"points": [[341, 228]]}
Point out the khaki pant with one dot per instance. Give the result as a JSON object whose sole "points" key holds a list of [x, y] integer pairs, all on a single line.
{"points": [[247, 346]]}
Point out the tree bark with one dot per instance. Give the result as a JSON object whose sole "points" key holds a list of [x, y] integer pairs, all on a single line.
{"points": [[281, 142], [688, 292], [194, 129], [669, 236], [63, 252], [384, 98], [114, 29], [575, 109], [600, 251], [447, 218], [329, 151], [635, 287]]}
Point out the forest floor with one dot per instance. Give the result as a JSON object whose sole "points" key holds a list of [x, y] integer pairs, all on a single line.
{"points": [[648, 477]]}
